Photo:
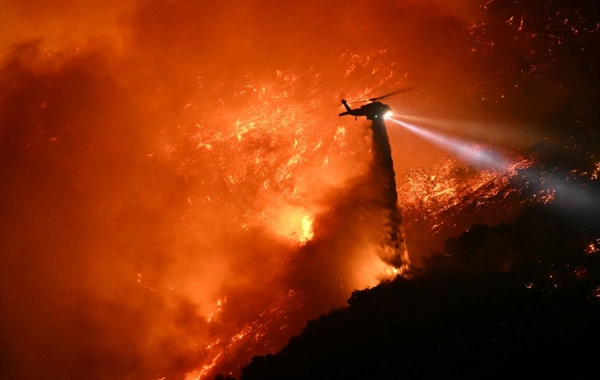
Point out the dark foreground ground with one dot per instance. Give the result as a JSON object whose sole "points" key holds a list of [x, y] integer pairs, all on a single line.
{"points": [[513, 301]]}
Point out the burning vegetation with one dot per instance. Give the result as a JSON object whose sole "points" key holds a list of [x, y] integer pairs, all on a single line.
{"points": [[179, 195]]}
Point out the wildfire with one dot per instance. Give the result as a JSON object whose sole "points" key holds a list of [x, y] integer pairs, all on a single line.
{"points": [[593, 247], [195, 188], [436, 195], [307, 232], [275, 156], [218, 309], [204, 371]]}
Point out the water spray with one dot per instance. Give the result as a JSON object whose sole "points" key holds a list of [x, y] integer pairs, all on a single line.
{"points": [[382, 169]]}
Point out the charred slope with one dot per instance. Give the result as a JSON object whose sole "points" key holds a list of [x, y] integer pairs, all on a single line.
{"points": [[537, 316]]}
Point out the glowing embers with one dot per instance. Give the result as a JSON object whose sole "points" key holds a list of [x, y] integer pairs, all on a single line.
{"points": [[596, 171], [217, 310], [229, 351], [204, 371], [593, 247], [432, 197]]}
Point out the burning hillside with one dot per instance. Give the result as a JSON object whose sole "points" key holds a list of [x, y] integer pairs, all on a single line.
{"points": [[179, 194]]}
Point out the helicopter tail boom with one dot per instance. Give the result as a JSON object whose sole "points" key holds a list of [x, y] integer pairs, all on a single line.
{"points": [[345, 103]]}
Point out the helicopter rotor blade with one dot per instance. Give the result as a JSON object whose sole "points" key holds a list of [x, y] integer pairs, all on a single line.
{"points": [[400, 91]]}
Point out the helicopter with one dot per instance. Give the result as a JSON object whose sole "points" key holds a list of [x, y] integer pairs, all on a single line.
{"points": [[374, 109]]}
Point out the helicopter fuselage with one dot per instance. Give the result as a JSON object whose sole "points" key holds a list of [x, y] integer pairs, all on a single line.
{"points": [[372, 111]]}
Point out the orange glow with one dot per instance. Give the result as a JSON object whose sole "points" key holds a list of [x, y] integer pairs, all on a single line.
{"points": [[204, 371], [307, 231], [444, 194], [596, 171], [218, 309], [593, 247], [180, 194]]}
